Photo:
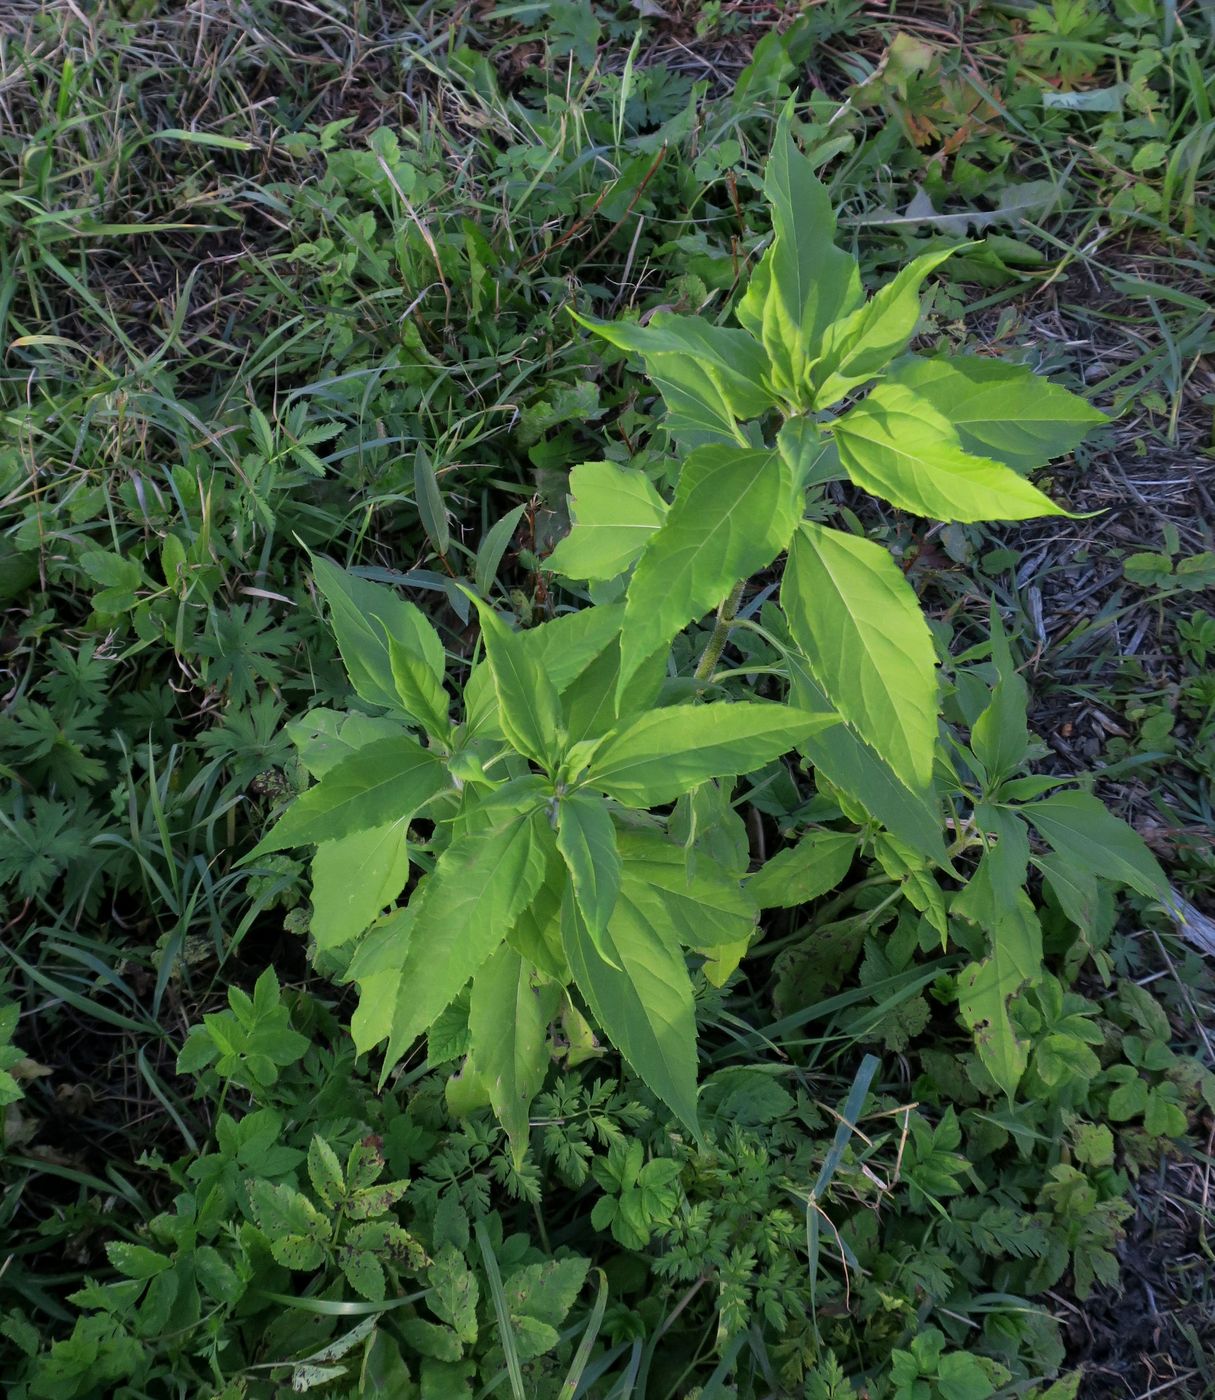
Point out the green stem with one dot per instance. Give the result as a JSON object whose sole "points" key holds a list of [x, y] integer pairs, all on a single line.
{"points": [[721, 631]]}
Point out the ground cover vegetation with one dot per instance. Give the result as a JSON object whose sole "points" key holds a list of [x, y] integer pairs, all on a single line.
{"points": [[610, 700]]}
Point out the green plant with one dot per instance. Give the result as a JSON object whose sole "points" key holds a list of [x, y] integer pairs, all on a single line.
{"points": [[550, 863], [547, 865]]}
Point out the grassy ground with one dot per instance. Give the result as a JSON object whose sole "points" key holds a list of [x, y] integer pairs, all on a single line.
{"points": [[289, 277]]}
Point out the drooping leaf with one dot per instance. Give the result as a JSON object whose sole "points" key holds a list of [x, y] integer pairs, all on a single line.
{"points": [[860, 345], [709, 377], [386, 781], [354, 879], [614, 510], [642, 999], [996, 901], [663, 753], [898, 446], [1001, 410], [376, 968], [859, 625], [920, 889], [360, 613], [480, 886], [804, 282], [508, 1018], [734, 511], [986, 988], [586, 838], [817, 864], [1085, 832]]}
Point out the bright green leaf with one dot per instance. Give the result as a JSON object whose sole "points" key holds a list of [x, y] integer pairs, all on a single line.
{"points": [[354, 879], [385, 782], [480, 886], [708, 376], [642, 999], [859, 625], [614, 510], [586, 838], [734, 511], [361, 613], [508, 1018], [860, 345], [804, 283], [1001, 410], [528, 708], [653, 759], [896, 445]]}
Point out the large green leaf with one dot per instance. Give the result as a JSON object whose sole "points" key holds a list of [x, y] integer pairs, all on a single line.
{"points": [[386, 781], [323, 738], [614, 510], [859, 625], [804, 283], [1083, 831], [702, 906], [566, 645], [642, 999], [710, 377], [537, 932], [1001, 410], [592, 703], [818, 862], [851, 766], [529, 711], [464, 911], [354, 879], [508, 1017], [564, 649], [419, 691], [586, 838], [376, 968], [898, 446], [734, 511], [859, 346], [360, 613], [654, 758]]}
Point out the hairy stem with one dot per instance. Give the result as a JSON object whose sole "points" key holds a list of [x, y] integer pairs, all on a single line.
{"points": [[721, 631]]}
